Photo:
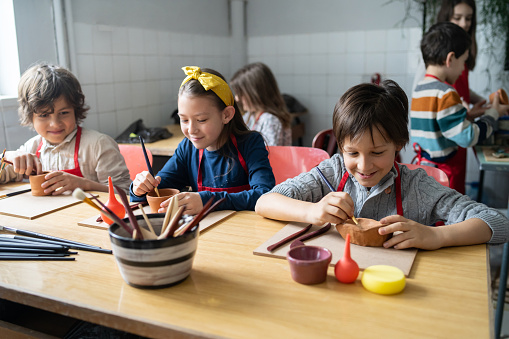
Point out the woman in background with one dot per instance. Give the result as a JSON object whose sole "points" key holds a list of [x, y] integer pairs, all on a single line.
{"points": [[265, 110]]}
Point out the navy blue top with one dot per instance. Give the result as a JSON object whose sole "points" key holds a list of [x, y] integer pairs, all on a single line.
{"points": [[220, 171]]}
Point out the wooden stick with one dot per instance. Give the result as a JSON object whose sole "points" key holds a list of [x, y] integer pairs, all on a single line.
{"points": [[149, 225], [167, 216], [168, 232], [197, 218]]}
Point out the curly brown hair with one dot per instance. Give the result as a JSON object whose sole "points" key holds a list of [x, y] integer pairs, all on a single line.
{"points": [[41, 85]]}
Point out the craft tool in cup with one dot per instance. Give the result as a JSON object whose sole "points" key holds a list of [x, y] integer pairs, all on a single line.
{"points": [[332, 190], [148, 163]]}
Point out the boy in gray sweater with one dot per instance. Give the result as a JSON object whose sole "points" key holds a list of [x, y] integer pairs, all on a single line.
{"points": [[370, 123]]}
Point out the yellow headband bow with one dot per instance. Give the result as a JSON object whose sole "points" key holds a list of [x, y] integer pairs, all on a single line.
{"points": [[209, 81]]}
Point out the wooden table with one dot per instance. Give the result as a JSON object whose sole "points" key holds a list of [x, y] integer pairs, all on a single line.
{"points": [[166, 147], [232, 293]]}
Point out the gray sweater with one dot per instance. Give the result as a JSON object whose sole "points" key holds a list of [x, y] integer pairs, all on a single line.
{"points": [[424, 199]]}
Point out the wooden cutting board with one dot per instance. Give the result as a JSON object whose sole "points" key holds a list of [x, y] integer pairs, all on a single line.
{"points": [[332, 240], [207, 222], [28, 206]]}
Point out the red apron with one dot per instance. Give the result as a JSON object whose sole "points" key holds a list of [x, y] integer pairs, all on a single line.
{"points": [[454, 167], [461, 85], [236, 189], [76, 170], [399, 203]]}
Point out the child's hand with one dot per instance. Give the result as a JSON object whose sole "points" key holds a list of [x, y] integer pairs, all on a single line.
{"points": [[26, 164], [414, 234], [501, 109], [335, 207], [144, 183], [59, 182], [477, 110], [191, 201]]}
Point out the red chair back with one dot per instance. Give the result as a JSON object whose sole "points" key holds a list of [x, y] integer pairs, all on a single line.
{"points": [[135, 159], [290, 161], [327, 141], [434, 172]]}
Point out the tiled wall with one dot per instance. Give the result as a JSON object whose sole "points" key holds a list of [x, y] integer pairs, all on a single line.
{"points": [[129, 73], [318, 68], [12, 135]]}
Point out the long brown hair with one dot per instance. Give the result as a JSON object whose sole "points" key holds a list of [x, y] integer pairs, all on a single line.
{"points": [[446, 13], [256, 84], [235, 126]]}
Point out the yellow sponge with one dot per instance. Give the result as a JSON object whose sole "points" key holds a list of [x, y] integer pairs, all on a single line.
{"points": [[383, 279]]}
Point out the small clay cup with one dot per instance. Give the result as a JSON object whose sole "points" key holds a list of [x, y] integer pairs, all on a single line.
{"points": [[502, 95], [364, 234], [35, 184], [309, 264], [155, 202]]}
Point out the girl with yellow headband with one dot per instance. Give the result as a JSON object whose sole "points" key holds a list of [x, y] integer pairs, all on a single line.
{"points": [[219, 157]]}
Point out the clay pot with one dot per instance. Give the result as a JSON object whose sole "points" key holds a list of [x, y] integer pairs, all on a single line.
{"points": [[35, 184], [502, 95], [364, 234], [309, 264], [155, 202]]}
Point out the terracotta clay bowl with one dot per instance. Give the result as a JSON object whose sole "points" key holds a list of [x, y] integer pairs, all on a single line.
{"points": [[35, 184], [502, 95], [155, 202], [309, 264], [364, 234], [154, 263]]}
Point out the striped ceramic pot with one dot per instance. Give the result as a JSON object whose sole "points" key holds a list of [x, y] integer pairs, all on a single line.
{"points": [[153, 263]]}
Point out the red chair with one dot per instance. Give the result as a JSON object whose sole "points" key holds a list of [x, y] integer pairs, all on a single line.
{"points": [[290, 161], [434, 172], [135, 159], [327, 141]]}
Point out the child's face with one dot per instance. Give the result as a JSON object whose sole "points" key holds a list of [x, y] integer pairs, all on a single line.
{"points": [[456, 67], [369, 160], [462, 16], [55, 124], [201, 121]]}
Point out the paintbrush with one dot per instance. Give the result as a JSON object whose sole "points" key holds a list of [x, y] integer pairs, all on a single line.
{"points": [[15, 193], [2, 162], [332, 190], [148, 163], [50, 237], [130, 214], [80, 195]]}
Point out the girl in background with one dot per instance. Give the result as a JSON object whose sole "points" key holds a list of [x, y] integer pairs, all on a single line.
{"points": [[257, 91], [219, 157]]}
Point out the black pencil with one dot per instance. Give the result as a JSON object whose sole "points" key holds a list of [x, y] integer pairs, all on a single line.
{"points": [[149, 167], [16, 257], [15, 193], [43, 241], [4, 249], [43, 236]]}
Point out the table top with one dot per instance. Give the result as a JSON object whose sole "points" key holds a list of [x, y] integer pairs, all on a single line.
{"points": [[166, 147], [489, 165], [232, 293]]}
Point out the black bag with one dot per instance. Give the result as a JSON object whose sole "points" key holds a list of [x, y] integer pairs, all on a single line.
{"points": [[293, 105], [137, 128]]}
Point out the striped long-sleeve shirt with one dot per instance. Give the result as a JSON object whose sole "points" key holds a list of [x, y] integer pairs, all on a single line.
{"points": [[439, 121]]}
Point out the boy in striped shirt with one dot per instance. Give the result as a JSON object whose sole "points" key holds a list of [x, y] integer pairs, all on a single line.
{"points": [[441, 127]]}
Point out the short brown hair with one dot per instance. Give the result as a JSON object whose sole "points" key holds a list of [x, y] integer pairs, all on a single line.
{"points": [[367, 106], [41, 84]]}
